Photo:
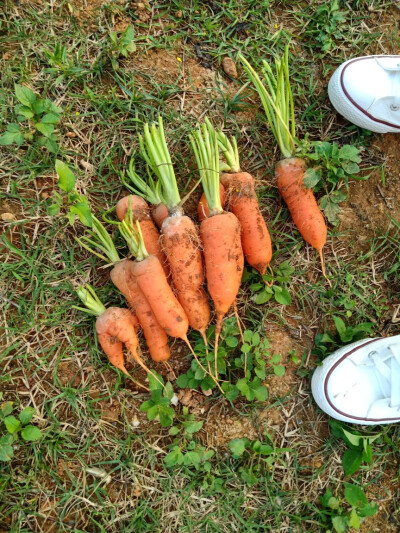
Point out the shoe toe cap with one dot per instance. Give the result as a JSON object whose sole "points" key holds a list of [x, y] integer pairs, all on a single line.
{"points": [[361, 81]]}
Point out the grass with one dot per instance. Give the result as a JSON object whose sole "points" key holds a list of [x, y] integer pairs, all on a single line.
{"points": [[95, 469]]}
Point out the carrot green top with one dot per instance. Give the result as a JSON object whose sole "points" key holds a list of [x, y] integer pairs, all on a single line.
{"points": [[149, 190], [276, 97], [89, 298], [101, 243], [154, 150], [230, 152], [133, 236], [205, 147]]}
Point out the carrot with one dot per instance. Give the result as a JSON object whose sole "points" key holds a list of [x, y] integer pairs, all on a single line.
{"points": [[149, 190], [180, 238], [159, 213], [277, 100], [220, 232], [141, 212], [202, 208], [103, 247], [114, 327], [150, 277], [156, 338], [243, 203]]}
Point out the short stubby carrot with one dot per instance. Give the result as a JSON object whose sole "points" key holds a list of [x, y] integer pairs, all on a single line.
{"points": [[223, 254], [168, 311], [114, 328], [156, 338], [202, 207], [243, 203], [301, 203], [181, 245], [141, 213]]}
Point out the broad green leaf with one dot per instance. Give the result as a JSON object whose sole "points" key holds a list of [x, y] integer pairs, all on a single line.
{"points": [[152, 412], [174, 431], [247, 335], [145, 406], [232, 342], [6, 450], [24, 111], [261, 393], [275, 359], [83, 211], [174, 457], [355, 440], [50, 118], [283, 297], [340, 325], [53, 209], [12, 424], [340, 524], [262, 297], [127, 36], [279, 370], [10, 137], [193, 427], [255, 340], [26, 415], [25, 95], [45, 129], [182, 381], [6, 408], [311, 177], [354, 520], [351, 168], [331, 212], [351, 461], [354, 495], [66, 178], [31, 433], [166, 415], [338, 196], [333, 503], [238, 446], [168, 390], [350, 153], [368, 509]]}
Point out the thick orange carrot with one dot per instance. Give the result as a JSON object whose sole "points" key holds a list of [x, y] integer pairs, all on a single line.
{"points": [[159, 213], [168, 311], [223, 254], [202, 208], [114, 328], [302, 203], [181, 245], [243, 203], [141, 213], [155, 336]]}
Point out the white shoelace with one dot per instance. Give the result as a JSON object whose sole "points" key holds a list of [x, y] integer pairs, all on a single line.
{"points": [[388, 367]]}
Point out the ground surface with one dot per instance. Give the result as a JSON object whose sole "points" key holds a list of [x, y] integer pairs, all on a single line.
{"points": [[100, 464]]}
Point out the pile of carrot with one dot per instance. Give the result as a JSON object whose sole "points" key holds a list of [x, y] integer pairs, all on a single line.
{"points": [[171, 259]]}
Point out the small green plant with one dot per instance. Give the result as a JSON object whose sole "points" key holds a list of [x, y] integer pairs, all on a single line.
{"points": [[257, 456], [78, 204], [326, 343], [360, 449], [184, 449], [333, 167], [325, 25], [121, 46], [342, 518], [247, 362], [15, 428], [159, 405], [37, 119], [61, 66], [278, 290]]}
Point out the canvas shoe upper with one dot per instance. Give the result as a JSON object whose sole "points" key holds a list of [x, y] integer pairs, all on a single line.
{"points": [[360, 383], [366, 91]]}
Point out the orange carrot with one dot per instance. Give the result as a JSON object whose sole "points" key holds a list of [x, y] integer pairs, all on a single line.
{"points": [[141, 212], [202, 208], [159, 213], [220, 233], [180, 238], [277, 100], [156, 338], [114, 327]]}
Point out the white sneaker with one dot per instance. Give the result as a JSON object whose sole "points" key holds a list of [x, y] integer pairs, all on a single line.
{"points": [[360, 383], [366, 91]]}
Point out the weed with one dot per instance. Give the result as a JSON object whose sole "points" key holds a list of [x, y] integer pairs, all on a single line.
{"points": [[41, 116], [276, 285], [342, 519], [16, 427], [159, 405]]}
